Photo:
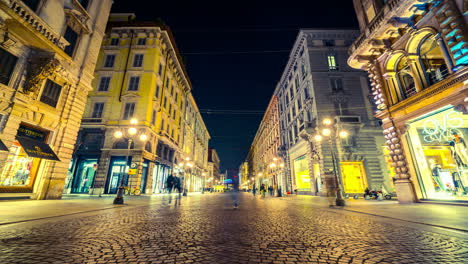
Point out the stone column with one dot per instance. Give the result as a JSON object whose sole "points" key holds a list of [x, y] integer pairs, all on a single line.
{"points": [[394, 91], [403, 184], [416, 72]]}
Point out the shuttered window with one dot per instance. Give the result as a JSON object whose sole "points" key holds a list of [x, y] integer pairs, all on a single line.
{"points": [[7, 65]]}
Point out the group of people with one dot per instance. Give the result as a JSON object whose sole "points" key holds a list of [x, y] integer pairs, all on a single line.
{"points": [[264, 190], [173, 183]]}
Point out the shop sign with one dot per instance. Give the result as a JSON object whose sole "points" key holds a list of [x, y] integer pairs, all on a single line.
{"points": [[31, 133], [132, 171], [440, 129]]}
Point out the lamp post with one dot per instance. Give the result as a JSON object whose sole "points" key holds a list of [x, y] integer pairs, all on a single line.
{"points": [[276, 165], [329, 131], [129, 133], [186, 166]]}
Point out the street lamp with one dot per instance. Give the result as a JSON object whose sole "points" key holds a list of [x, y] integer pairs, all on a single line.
{"points": [[328, 131], [129, 134], [188, 165]]}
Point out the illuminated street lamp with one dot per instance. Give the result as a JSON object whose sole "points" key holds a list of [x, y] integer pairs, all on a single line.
{"points": [[328, 131], [129, 133]]}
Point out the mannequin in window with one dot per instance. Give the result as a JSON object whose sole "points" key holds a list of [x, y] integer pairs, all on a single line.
{"points": [[460, 148], [436, 170]]}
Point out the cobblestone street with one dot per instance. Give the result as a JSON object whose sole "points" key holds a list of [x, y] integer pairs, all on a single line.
{"points": [[207, 229]]}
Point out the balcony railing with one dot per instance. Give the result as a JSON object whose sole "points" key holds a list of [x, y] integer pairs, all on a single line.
{"points": [[374, 24], [91, 120], [30, 17]]}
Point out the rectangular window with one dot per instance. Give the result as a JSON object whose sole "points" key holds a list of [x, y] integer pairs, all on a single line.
{"points": [[299, 104], [114, 42], [97, 110], [134, 83], [160, 69], [84, 3], [138, 60], [162, 124], [129, 111], [109, 61], [172, 90], [153, 119], [142, 41], [170, 109], [297, 84], [72, 37], [7, 66], [51, 93], [332, 63], [329, 42], [104, 84], [306, 93], [176, 97], [32, 4], [165, 102], [370, 13], [336, 84], [158, 88]]}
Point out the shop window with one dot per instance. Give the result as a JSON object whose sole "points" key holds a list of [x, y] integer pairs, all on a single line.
{"points": [[32, 4], [406, 80], [19, 169], [104, 84], [109, 61], [129, 111], [51, 93], [7, 66], [438, 143], [433, 61], [138, 60], [72, 37]]}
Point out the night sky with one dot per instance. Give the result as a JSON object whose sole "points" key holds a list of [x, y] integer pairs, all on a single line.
{"points": [[235, 53]]}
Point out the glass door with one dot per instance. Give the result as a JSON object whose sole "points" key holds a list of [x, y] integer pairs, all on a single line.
{"points": [[84, 176]]}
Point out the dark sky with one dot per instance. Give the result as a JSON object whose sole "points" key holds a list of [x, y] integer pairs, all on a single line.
{"points": [[235, 52]]}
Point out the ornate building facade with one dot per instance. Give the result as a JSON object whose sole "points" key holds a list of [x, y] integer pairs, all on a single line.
{"points": [[416, 55], [140, 82], [48, 52], [318, 85]]}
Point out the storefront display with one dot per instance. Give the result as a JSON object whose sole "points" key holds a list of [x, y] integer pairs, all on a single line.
{"points": [[438, 144], [117, 170], [354, 176], [84, 176], [160, 174], [301, 172]]}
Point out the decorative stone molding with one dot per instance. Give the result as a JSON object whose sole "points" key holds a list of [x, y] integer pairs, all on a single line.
{"points": [[39, 69], [376, 85], [77, 21], [397, 155]]}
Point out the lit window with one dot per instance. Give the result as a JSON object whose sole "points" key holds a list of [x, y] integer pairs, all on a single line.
{"points": [[129, 111], [332, 62]]}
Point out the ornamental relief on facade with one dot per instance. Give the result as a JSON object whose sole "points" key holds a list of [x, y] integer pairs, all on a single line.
{"points": [[38, 69]]}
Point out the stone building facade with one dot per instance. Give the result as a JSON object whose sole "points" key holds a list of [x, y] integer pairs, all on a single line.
{"points": [[416, 53], [317, 84], [48, 52]]}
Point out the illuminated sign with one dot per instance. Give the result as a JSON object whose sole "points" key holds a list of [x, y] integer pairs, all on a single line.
{"points": [[441, 129]]}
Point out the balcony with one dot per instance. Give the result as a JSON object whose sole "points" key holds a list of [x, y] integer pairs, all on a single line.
{"points": [[25, 16], [91, 120]]}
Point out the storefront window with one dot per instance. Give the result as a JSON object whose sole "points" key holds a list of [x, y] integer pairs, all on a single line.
{"points": [[301, 172], [84, 176], [19, 170], [437, 142]]}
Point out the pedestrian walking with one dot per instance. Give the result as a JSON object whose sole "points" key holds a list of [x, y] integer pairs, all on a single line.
{"points": [[262, 190], [254, 189], [170, 183]]}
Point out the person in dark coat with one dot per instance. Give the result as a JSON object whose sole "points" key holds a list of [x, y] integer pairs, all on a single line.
{"points": [[177, 184], [170, 183]]}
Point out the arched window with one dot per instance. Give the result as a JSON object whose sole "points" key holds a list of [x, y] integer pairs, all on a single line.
{"points": [[403, 73], [148, 147], [432, 60], [122, 144]]}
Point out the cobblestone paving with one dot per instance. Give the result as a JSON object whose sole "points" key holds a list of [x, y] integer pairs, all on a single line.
{"points": [[206, 229]]}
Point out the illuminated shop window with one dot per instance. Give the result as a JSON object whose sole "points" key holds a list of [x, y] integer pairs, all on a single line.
{"points": [[433, 61], [19, 169], [438, 143]]}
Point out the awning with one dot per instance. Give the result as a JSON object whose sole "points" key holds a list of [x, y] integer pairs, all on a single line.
{"points": [[3, 147], [37, 149]]}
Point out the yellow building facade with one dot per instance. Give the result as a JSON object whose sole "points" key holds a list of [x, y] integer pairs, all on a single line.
{"points": [[139, 76], [416, 54]]}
